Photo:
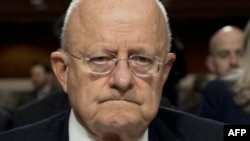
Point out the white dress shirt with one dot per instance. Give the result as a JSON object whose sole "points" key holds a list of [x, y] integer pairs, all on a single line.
{"points": [[78, 133]]}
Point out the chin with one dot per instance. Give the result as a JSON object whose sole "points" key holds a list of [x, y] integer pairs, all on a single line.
{"points": [[122, 119], [122, 124]]}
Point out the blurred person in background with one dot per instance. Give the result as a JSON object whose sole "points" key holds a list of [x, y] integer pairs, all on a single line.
{"points": [[225, 50], [45, 100], [227, 99], [44, 83], [189, 92], [31, 110], [225, 55]]}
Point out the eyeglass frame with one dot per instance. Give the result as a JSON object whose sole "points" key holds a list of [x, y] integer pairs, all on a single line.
{"points": [[116, 60]]}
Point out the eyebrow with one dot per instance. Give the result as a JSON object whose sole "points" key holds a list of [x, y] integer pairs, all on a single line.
{"points": [[142, 50], [132, 49]]}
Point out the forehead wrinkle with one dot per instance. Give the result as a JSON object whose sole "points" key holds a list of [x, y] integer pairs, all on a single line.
{"points": [[91, 16], [81, 27], [123, 11]]}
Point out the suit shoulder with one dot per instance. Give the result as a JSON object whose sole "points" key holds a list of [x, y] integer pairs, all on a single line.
{"points": [[46, 130], [188, 126]]}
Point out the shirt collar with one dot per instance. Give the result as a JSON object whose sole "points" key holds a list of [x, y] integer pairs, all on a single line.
{"points": [[78, 133]]}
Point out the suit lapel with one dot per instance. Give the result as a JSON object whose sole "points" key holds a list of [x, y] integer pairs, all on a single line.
{"points": [[158, 131], [165, 127], [63, 131]]}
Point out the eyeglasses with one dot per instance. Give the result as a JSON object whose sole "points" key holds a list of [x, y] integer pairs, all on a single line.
{"points": [[102, 63]]}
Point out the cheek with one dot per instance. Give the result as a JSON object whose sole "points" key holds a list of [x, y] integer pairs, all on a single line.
{"points": [[151, 107], [223, 65], [152, 94], [222, 62], [82, 94]]}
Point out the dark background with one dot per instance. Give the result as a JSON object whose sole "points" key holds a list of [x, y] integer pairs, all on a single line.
{"points": [[29, 29]]}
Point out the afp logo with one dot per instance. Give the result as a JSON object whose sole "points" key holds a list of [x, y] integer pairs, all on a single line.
{"points": [[236, 132]]}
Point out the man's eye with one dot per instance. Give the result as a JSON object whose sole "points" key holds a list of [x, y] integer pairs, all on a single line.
{"points": [[142, 60], [224, 54], [239, 53], [101, 59]]}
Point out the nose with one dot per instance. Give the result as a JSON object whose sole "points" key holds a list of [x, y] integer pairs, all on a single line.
{"points": [[121, 78], [234, 61]]}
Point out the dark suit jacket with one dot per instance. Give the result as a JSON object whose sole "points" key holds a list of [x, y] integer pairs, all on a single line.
{"points": [[31, 96], [34, 111], [40, 109], [218, 105], [169, 125], [5, 119]]}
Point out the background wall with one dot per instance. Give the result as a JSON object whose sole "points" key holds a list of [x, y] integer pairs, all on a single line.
{"points": [[29, 32], [29, 29], [23, 44]]}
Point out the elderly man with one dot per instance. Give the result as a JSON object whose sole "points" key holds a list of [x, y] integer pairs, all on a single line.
{"points": [[113, 64], [225, 50]]}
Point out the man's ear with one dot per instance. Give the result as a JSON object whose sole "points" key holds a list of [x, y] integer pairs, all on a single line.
{"points": [[59, 65], [167, 67], [210, 63]]}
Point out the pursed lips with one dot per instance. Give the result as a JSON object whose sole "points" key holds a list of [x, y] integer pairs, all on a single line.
{"points": [[121, 99]]}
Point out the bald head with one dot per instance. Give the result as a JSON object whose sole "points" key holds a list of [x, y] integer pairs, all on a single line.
{"points": [[90, 13], [227, 36], [225, 50]]}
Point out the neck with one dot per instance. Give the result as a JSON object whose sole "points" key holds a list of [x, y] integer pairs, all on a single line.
{"points": [[135, 133], [121, 136]]}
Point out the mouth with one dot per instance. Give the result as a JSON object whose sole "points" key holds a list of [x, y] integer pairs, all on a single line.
{"points": [[119, 100]]}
